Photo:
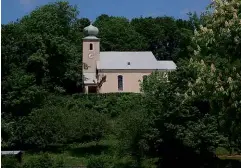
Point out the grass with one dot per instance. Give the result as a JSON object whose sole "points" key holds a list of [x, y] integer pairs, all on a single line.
{"points": [[234, 157], [78, 154], [68, 159], [224, 154]]}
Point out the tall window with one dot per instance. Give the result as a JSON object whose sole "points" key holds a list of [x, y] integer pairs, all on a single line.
{"points": [[120, 82], [91, 46]]}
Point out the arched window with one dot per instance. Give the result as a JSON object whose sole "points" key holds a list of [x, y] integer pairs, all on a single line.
{"points": [[91, 46], [120, 82]]}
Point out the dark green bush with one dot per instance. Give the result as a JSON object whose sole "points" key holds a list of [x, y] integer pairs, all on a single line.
{"points": [[60, 125], [109, 103], [126, 163], [9, 162], [43, 161], [99, 162]]}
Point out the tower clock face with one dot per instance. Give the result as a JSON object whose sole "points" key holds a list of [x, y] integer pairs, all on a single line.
{"points": [[91, 56]]}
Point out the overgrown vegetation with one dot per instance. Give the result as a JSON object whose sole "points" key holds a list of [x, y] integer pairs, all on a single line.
{"points": [[183, 122]]}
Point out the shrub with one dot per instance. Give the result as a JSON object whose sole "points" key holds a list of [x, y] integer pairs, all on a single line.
{"points": [[99, 162], [60, 125], [126, 162], [43, 161], [10, 162]]}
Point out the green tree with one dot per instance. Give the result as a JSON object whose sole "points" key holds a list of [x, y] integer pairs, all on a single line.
{"points": [[179, 129], [47, 44], [167, 38], [218, 39], [218, 79], [41, 53], [117, 34], [8, 127], [20, 93]]}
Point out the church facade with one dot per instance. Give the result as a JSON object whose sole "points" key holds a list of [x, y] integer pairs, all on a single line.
{"points": [[114, 71]]}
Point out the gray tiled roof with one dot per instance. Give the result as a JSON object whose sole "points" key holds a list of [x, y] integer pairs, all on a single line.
{"points": [[132, 60], [170, 65]]}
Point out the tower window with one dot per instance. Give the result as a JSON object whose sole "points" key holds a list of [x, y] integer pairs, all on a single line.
{"points": [[120, 82], [91, 46]]}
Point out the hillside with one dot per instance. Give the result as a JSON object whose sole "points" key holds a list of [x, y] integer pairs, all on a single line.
{"points": [[191, 121]]}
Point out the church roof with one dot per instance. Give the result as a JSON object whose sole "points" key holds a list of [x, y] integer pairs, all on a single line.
{"points": [[132, 60], [166, 64]]}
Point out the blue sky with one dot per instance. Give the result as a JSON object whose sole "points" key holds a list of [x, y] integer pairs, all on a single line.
{"points": [[14, 9]]}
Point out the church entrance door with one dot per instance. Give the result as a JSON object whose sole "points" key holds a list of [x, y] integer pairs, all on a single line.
{"points": [[92, 89]]}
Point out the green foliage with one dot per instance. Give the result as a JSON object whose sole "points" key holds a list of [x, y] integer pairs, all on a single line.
{"points": [[218, 37], [46, 44], [221, 151], [217, 42], [117, 34], [130, 128], [99, 162], [105, 161], [43, 161], [150, 163], [10, 162], [126, 164], [60, 125], [8, 130], [178, 120], [111, 103], [20, 94], [167, 38], [44, 126]]}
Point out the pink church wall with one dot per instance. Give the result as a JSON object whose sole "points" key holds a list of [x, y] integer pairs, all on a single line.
{"points": [[131, 80]]}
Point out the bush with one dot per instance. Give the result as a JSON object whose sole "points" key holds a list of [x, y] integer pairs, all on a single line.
{"points": [[59, 125], [221, 151], [99, 162], [126, 162], [10, 162], [110, 103], [89, 126], [43, 161]]}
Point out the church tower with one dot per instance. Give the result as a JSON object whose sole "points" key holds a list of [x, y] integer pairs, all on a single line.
{"points": [[91, 55]]}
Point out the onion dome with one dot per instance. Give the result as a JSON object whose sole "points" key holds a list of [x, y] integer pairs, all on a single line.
{"points": [[91, 30]]}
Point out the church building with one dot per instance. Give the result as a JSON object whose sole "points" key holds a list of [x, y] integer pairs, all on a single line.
{"points": [[116, 71]]}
